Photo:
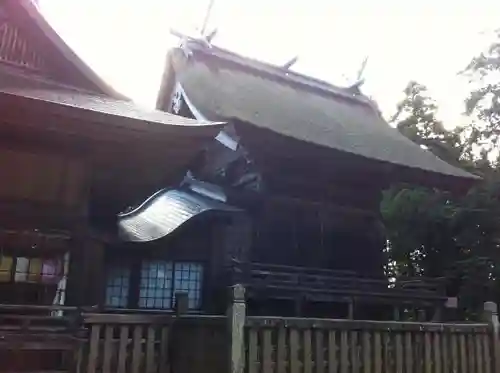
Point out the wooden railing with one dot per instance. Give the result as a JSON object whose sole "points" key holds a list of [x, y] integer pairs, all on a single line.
{"points": [[277, 345], [323, 284], [40, 338]]}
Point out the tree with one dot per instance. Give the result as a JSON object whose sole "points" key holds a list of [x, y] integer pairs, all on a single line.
{"points": [[483, 103], [434, 233], [416, 119]]}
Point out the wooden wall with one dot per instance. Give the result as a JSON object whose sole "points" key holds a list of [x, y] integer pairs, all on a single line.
{"points": [[44, 190], [298, 233], [41, 177]]}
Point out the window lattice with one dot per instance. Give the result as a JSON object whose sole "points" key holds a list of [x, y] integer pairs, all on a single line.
{"points": [[159, 282], [117, 287]]}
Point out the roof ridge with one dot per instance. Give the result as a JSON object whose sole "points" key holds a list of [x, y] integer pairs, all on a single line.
{"points": [[292, 77]]}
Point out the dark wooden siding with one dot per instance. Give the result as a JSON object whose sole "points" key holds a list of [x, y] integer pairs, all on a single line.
{"points": [[43, 177]]}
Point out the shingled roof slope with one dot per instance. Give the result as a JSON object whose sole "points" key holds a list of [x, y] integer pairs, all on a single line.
{"points": [[34, 88], [223, 85]]}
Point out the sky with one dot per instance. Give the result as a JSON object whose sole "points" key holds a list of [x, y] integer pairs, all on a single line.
{"points": [[125, 41]]}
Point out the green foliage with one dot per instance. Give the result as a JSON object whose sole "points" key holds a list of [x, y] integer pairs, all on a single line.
{"points": [[483, 103], [432, 233], [438, 234], [416, 119]]}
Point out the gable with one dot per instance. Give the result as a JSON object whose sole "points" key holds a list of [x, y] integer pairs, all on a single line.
{"points": [[16, 49], [28, 42], [224, 161]]}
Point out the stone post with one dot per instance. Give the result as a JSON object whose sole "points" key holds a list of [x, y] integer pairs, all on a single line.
{"points": [[490, 315], [236, 315]]}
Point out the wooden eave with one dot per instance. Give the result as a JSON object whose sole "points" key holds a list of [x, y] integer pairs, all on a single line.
{"points": [[70, 120], [281, 157]]}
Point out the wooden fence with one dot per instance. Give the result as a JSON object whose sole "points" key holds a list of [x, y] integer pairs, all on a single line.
{"points": [[236, 343], [276, 345], [154, 343]]}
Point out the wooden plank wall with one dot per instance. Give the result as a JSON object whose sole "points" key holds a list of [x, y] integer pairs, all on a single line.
{"points": [[345, 346], [44, 177]]}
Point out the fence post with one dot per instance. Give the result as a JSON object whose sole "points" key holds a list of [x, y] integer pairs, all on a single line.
{"points": [[236, 315], [491, 316]]}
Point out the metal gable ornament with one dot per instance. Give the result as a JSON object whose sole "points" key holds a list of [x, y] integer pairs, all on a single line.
{"points": [[177, 101]]}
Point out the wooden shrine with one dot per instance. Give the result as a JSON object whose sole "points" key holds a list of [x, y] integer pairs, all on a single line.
{"points": [[304, 163]]}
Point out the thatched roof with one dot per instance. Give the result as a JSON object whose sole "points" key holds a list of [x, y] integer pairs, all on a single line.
{"points": [[223, 85]]}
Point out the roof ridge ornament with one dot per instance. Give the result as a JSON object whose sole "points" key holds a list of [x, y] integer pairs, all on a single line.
{"points": [[355, 88], [185, 40], [290, 63]]}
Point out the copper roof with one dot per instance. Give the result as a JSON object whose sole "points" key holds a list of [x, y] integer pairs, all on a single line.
{"points": [[164, 212]]}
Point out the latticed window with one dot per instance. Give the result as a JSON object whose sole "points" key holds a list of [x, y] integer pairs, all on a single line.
{"points": [[158, 284], [39, 280], [117, 287]]}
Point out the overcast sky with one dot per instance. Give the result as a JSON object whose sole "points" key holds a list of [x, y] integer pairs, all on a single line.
{"points": [[125, 41]]}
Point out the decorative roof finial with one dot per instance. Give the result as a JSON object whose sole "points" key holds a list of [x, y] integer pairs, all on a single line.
{"points": [[210, 36], [290, 63], [207, 17], [355, 88]]}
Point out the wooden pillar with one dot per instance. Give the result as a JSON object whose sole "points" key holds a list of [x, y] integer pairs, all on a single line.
{"points": [[238, 238], [236, 316], [397, 313], [299, 305], [451, 307], [490, 315], [95, 280], [421, 315], [231, 241], [350, 309], [181, 303], [86, 280], [75, 289], [438, 314]]}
